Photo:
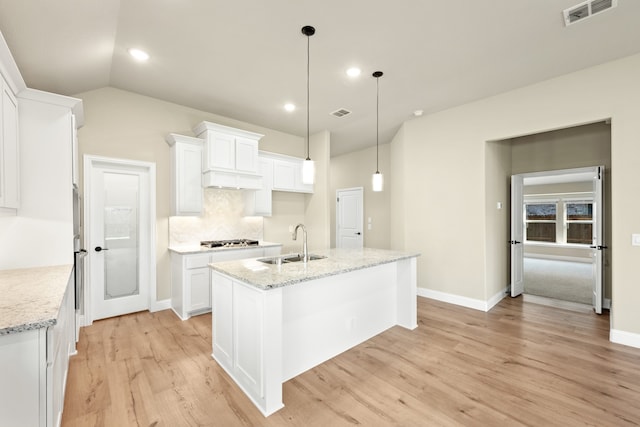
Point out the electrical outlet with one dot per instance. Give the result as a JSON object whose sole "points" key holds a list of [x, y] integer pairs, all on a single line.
{"points": [[635, 240]]}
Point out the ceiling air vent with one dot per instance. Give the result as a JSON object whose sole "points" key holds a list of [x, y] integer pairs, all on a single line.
{"points": [[341, 112], [586, 10]]}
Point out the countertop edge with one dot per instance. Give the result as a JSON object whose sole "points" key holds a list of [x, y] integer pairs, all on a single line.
{"points": [[47, 308], [313, 276]]}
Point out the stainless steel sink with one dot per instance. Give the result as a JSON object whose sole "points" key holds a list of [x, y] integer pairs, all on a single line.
{"points": [[284, 259]]}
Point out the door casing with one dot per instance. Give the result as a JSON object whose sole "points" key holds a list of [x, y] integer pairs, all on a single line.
{"points": [[89, 162]]}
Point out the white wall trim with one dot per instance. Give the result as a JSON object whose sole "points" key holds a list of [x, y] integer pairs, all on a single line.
{"points": [[161, 305], [606, 303], [475, 304], [625, 338], [497, 298]]}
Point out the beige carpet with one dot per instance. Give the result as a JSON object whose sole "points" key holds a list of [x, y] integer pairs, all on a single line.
{"points": [[563, 280]]}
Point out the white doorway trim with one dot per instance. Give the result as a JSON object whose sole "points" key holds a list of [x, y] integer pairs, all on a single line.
{"points": [[595, 174], [89, 162]]}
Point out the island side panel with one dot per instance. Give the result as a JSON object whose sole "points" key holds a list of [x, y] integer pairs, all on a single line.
{"points": [[325, 317], [407, 293], [247, 339]]}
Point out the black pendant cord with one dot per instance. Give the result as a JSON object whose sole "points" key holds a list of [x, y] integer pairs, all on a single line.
{"points": [[308, 68], [377, 122], [308, 31], [377, 75]]}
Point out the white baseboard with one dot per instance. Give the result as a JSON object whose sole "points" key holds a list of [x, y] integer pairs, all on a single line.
{"points": [[606, 303], [475, 304], [164, 304], [624, 338]]}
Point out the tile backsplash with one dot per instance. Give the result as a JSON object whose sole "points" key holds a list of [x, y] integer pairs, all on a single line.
{"points": [[222, 219]]}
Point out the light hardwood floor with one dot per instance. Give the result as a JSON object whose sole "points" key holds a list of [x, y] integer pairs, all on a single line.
{"points": [[519, 364]]}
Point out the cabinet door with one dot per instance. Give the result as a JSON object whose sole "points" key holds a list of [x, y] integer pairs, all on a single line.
{"points": [[221, 151], [188, 178], [9, 151], [246, 155], [200, 295], [247, 336], [284, 175], [258, 202], [222, 319]]}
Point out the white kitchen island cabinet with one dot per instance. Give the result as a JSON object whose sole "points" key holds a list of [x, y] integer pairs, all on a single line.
{"points": [[191, 277], [37, 336], [274, 322]]}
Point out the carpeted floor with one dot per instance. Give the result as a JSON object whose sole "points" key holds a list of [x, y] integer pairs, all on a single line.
{"points": [[563, 280]]}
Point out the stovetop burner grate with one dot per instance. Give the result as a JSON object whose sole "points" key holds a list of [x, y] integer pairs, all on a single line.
{"points": [[228, 243]]}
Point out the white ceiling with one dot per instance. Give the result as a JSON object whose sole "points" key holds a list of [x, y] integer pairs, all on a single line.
{"points": [[245, 58]]}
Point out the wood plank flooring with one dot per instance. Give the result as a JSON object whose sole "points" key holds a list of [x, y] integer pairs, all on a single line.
{"points": [[520, 364]]}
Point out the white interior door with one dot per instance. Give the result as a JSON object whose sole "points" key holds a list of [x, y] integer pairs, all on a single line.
{"points": [[517, 235], [349, 218], [118, 236], [598, 245]]}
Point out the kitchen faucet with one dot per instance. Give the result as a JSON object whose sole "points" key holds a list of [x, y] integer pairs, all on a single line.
{"points": [[294, 235]]}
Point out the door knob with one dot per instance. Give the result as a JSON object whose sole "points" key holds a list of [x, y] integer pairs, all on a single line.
{"points": [[98, 249], [358, 233]]}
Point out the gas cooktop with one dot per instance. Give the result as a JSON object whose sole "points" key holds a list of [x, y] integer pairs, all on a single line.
{"points": [[235, 243]]}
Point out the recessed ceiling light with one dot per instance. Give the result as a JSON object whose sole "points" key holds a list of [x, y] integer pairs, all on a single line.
{"points": [[418, 113], [289, 107], [354, 72], [138, 54]]}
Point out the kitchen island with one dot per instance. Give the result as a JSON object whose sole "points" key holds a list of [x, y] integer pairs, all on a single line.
{"points": [[272, 322]]}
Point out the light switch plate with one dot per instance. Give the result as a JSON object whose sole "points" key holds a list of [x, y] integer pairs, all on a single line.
{"points": [[635, 240]]}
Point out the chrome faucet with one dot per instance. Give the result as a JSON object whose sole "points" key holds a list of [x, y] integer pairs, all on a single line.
{"points": [[294, 235]]}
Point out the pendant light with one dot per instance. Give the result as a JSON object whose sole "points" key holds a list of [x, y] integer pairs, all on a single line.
{"points": [[308, 167], [377, 180]]}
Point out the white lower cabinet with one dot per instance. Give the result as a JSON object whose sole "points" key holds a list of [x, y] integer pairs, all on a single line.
{"points": [[191, 277], [33, 367]]}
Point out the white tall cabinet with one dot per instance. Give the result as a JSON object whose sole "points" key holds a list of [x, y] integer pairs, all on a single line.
{"points": [[9, 149]]}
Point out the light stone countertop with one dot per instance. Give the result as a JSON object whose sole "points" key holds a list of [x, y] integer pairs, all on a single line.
{"points": [[337, 261], [197, 249], [30, 298]]}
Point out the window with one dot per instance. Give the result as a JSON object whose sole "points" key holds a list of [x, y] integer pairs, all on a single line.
{"points": [[540, 221], [579, 222], [559, 220]]}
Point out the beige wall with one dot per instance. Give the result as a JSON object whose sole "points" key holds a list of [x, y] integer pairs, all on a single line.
{"points": [[125, 125], [446, 214], [316, 214], [355, 170]]}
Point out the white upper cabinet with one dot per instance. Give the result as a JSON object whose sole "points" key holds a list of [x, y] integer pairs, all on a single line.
{"points": [[9, 149], [230, 156], [186, 174], [258, 202], [287, 173]]}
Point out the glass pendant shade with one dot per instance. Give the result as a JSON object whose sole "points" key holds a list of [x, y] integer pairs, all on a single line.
{"points": [[308, 171], [377, 181]]}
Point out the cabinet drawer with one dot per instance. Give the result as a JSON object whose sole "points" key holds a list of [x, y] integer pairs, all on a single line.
{"points": [[196, 261]]}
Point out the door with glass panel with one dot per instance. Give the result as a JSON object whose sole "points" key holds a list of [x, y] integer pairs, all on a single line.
{"points": [[118, 235]]}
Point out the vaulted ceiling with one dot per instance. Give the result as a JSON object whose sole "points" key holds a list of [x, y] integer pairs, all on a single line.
{"points": [[245, 59]]}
